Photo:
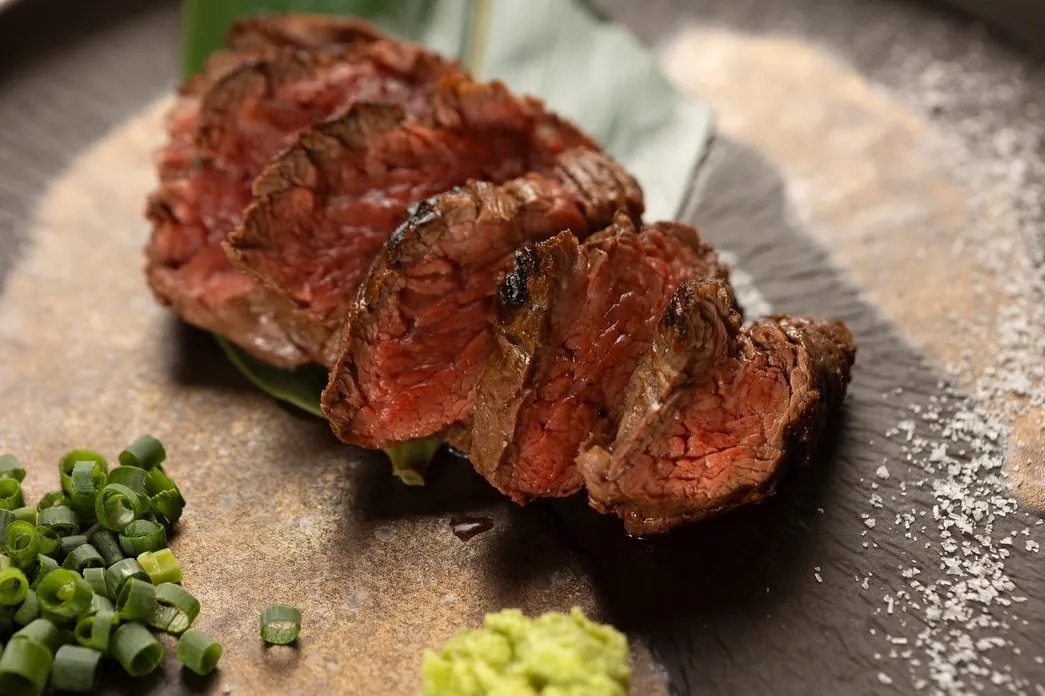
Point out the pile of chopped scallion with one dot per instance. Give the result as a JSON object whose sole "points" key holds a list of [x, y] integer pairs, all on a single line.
{"points": [[86, 573]]}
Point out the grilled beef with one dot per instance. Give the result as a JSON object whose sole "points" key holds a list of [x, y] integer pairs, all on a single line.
{"points": [[716, 412], [245, 115], [418, 337], [326, 206], [571, 324]]}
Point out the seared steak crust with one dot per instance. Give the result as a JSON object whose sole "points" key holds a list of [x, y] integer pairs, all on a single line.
{"points": [[245, 115], [418, 337], [571, 324], [716, 413], [326, 206]]}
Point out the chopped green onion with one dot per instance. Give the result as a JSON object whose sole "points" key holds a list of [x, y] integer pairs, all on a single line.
{"points": [[53, 499], [29, 610], [6, 518], [14, 587], [117, 506], [41, 567], [71, 543], [5, 562], [49, 540], [136, 601], [176, 608], [64, 593], [10, 467], [83, 557], [66, 464], [136, 649], [43, 632], [142, 535], [23, 543], [24, 668], [76, 669], [119, 572], [61, 519], [146, 452], [107, 546], [280, 625], [167, 505], [95, 577], [101, 603], [198, 651], [95, 630], [86, 479], [27, 513], [162, 566], [132, 477], [10, 494]]}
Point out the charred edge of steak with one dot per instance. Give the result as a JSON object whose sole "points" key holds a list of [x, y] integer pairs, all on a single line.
{"points": [[300, 30], [515, 291], [601, 185]]}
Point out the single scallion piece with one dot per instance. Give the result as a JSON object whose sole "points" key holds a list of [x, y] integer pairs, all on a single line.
{"points": [[119, 572], [136, 600], [101, 603], [23, 543], [64, 593], [107, 546], [49, 540], [29, 610], [61, 519], [95, 577], [24, 668], [117, 506], [43, 632], [27, 513], [145, 453], [5, 561], [10, 467], [136, 649], [162, 566], [95, 630], [82, 557], [14, 587], [71, 543], [6, 518], [10, 494], [87, 479], [66, 464], [167, 505], [53, 499], [198, 651], [141, 536], [280, 625], [132, 477], [41, 567], [176, 608], [76, 669]]}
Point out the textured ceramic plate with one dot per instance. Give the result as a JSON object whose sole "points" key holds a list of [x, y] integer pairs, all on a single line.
{"points": [[823, 590]]}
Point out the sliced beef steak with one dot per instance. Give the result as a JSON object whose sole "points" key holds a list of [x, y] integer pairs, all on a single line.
{"points": [[244, 118], [326, 206], [571, 324], [417, 340], [716, 412], [298, 30]]}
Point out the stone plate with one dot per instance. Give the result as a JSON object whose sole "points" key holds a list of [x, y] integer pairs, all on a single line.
{"points": [[824, 186]]}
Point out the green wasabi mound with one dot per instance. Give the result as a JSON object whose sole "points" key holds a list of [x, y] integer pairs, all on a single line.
{"points": [[511, 655]]}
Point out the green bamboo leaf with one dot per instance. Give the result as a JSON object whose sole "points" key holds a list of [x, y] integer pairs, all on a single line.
{"points": [[581, 63]]}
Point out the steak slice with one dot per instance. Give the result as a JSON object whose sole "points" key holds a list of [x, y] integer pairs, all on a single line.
{"points": [[571, 324], [245, 117], [417, 340], [325, 207], [715, 413]]}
